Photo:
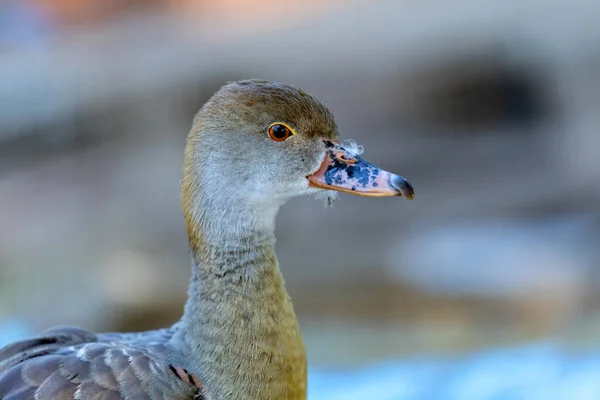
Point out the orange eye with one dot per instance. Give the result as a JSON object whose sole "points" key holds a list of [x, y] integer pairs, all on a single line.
{"points": [[280, 131]]}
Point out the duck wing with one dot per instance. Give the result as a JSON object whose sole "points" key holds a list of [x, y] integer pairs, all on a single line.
{"points": [[75, 364]]}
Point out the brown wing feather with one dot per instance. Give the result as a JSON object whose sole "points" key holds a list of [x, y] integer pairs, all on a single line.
{"points": [[74, 364]]}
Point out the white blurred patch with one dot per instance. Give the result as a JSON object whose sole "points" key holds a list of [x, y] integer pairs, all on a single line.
{"points": [[352, 147], [327, 196], [504, 259]]}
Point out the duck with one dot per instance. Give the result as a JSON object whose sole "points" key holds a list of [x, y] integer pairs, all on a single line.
{"points": [[254, 145]]}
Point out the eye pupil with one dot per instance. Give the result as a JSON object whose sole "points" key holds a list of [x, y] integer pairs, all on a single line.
{"points": [[279, 131]]}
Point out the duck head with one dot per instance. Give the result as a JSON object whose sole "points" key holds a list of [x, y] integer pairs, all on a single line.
{"points": [[255, 144]]}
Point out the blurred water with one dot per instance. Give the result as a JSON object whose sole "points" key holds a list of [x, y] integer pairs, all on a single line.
{"points": [[543, 370], [537, 371]]}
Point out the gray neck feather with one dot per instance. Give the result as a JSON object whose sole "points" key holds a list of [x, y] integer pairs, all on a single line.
{"points": [[238, 313]]}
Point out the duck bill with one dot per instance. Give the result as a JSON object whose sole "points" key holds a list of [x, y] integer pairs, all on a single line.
{"points": [[344, 171]]}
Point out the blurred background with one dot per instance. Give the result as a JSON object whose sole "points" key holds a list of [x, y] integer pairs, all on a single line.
{"points": [[489, 108]]}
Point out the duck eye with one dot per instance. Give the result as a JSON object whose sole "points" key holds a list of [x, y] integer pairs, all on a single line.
{"points": [[280, 131]]}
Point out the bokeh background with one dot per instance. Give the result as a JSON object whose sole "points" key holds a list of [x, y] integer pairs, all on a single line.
{"points": [[489, 108]]}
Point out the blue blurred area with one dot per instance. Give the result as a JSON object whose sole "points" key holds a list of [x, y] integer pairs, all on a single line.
{"points": [[543, 371], [11, 330], [21, 25]]}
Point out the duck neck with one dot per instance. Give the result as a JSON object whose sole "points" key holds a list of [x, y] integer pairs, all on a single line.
{"points": [[239, 330]]}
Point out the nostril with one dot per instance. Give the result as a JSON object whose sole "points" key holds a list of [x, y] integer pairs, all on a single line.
{"points": [[345, 159]]}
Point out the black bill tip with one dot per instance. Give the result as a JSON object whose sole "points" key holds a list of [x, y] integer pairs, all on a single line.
{"points": [[402, 186]]}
